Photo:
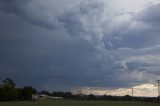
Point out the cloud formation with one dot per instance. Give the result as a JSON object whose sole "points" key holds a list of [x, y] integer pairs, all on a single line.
{"points": [[74, 44], [144, 90]]}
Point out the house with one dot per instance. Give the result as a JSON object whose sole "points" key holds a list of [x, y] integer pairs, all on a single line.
{"points": [[35, 97]]}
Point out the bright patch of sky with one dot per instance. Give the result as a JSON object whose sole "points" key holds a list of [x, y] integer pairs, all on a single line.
{"points": [[131, 5], [146, 90]]}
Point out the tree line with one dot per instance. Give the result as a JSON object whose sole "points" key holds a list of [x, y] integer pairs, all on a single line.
{"points": [[9, 92]]}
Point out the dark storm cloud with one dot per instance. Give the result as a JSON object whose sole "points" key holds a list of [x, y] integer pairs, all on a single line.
{"points": [[41, 54], [81, 46], [30, 11]]}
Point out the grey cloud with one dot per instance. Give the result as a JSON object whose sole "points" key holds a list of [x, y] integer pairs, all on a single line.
{"points": [[151, 15], [30, 11], [77, 47], [140, 31]]}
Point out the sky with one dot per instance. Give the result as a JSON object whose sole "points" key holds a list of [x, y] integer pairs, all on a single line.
{"points": [[60, 45]]}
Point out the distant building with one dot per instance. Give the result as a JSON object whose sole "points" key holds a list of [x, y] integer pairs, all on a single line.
{"points": [[35, 97], [43, 96], [55, 97]]}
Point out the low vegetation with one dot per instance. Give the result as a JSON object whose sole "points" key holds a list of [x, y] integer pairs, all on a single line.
{"points": [[77, 103]]}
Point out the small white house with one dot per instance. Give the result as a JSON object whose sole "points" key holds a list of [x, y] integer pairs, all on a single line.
{"points": [[51, 97], [35, 97], [43, 96]]}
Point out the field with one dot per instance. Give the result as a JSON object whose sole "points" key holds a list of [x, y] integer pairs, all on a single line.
{"points": [[77, 103]]}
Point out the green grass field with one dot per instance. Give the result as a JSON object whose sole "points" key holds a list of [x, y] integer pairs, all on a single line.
{"points": [[77, 103]]}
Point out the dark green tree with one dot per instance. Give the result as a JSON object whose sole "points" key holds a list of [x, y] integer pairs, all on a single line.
{"points": [[27, 92], [8, 83], [91, 97], [8, 91], [20, 94]]}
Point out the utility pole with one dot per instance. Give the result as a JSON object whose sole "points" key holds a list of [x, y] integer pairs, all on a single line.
{"points": [[158, 81], [132, 94], [132, 91], [79, 91]]}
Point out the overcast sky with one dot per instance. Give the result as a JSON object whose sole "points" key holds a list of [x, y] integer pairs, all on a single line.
{"points": [[65, 44]]}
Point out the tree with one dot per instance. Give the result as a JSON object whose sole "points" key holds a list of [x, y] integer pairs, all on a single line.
{"points": [[91, 97], [8, 91], [27, 92], [20, 94], [8, 83]]}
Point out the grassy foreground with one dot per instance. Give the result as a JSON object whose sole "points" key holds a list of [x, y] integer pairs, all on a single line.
{"points": [[77, 103]]}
